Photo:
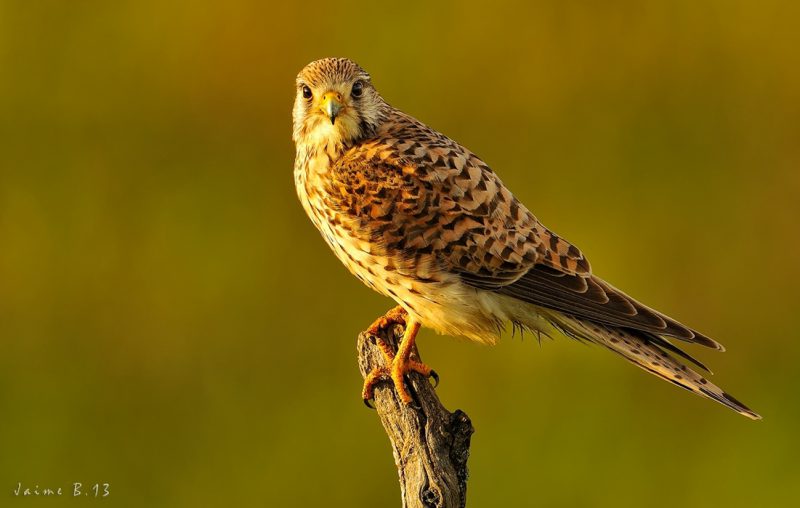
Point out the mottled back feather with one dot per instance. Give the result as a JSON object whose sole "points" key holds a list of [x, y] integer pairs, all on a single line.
{"points": [[419, 193]]}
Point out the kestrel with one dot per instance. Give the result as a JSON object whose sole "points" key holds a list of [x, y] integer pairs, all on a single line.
{"points": [[421, 219]]}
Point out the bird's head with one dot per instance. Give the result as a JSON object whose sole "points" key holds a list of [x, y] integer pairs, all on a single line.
{"points": [[335, 104]]}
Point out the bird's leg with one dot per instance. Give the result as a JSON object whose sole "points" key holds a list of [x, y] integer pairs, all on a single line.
{"points": [[403, 364], [399, 364], [396, 315]]}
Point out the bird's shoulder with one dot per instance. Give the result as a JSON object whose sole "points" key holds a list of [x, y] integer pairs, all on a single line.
{"points": [[407, 154]]}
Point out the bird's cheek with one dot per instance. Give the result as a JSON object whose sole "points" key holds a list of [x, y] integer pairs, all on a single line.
{"points": [[349, 125]]}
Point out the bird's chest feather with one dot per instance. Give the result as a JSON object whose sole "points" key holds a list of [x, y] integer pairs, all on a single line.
{"points": [[341, 232]]}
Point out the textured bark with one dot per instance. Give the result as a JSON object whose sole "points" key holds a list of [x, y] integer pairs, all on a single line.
{"points": [[430, 444]]}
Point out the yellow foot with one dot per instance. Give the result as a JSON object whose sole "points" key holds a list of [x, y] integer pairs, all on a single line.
{"points": [[397, 315], [396, 373], [400, 364]]}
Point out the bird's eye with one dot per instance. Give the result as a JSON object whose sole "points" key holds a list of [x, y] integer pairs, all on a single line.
{"points": [[307, 92], [358, 89]]}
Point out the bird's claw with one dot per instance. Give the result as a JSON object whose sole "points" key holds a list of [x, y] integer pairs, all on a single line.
{"points": [[434, 378], [396, 315], [397, 374]]}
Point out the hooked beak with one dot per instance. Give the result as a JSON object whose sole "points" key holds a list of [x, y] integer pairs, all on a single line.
{"points": [[331, 104]]}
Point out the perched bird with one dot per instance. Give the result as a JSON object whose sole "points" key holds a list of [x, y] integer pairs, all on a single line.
{"points": [[421, 219]]}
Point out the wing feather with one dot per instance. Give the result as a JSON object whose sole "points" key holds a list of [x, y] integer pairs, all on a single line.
{"points": [[599, 301]]}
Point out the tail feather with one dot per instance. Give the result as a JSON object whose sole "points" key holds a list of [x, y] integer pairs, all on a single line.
{"points": [[663, 343], [649, 353]]}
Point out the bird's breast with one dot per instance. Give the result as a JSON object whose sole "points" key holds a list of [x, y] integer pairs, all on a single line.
{"points": [[387, 271]]}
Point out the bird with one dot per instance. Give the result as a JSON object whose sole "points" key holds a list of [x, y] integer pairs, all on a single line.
{"points": [[421, 219]]}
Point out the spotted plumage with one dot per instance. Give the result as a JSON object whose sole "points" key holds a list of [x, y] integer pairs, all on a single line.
{"points": [[424, 221]]}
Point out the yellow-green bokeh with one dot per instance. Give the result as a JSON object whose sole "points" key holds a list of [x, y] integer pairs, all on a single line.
{"points": [[171, 323]]}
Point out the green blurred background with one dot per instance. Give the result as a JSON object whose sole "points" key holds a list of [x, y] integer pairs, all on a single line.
{"points": [[172, 324]]}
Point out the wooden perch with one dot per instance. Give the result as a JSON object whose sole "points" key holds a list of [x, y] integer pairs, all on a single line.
{"points": [[429, 443]]}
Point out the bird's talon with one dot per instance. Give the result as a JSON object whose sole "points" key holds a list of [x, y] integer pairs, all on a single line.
{"points": [[370, 403], [374, 377], [399, 364], [395, 316], [434, 378]]}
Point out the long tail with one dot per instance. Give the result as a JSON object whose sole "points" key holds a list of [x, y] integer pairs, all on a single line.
{"points": [[648, 352]]}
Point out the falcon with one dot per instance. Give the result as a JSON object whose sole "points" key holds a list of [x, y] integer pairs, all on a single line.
{"points": [[421, 219]]}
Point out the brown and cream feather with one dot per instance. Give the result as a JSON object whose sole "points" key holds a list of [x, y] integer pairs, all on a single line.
{"points": [[423, 220]]}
